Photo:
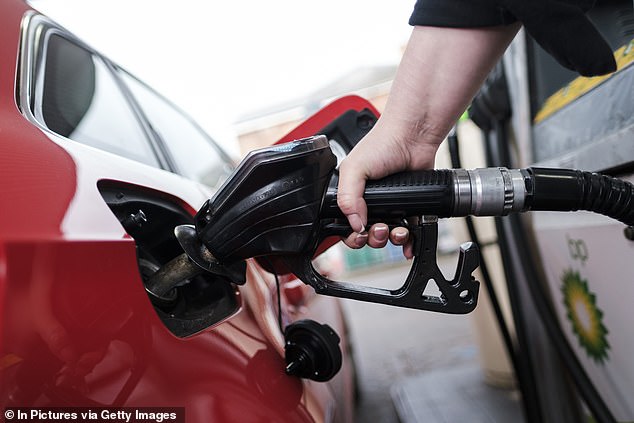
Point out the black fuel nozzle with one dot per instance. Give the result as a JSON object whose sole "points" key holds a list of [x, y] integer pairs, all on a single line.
{"points": [[271, 204], [274, 202], [281, 202]]}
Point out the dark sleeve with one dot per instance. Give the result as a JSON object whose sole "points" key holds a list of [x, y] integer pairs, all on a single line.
{"points": [[559, 26], [460, 13]]}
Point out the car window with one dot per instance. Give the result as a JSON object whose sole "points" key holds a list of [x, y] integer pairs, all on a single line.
{"points": [[195, 153], [78, 97]]}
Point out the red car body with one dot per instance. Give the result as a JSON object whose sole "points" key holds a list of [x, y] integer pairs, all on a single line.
{"points": [[78, 328]]}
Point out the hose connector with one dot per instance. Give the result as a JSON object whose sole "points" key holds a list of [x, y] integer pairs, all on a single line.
{"points": [[488, 191]]}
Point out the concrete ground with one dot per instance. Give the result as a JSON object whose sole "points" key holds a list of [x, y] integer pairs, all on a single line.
{"points": [[396, 348]]}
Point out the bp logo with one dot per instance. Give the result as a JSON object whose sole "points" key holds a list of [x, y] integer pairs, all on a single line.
{"points": [[585, 316]]}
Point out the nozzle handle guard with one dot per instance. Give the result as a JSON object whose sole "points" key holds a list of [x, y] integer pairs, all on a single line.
{"points": [[457, 296]]}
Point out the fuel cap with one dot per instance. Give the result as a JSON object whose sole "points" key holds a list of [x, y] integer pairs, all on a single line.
{"points": [[312, 350]]}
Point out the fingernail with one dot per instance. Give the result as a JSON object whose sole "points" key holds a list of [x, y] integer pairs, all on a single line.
{"points": [[361, 239], [356, 223], [380, 233], [400, 235]]}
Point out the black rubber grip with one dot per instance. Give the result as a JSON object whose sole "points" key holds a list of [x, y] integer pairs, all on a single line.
{"points": [[425, 192]]}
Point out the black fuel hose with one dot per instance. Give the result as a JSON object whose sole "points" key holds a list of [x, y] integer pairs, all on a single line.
{"points": [[572, 190], [492, 192]]}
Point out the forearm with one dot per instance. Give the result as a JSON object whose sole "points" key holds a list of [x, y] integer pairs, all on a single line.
{"points": [[441, 70]]}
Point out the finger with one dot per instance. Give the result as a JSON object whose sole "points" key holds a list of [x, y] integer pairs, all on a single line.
{"points": [[356, 240], [399, 236], [408, 250], [350, 195], [378, 235]]}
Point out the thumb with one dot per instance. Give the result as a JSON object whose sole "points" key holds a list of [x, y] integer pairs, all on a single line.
{"points": [[350, 195]]}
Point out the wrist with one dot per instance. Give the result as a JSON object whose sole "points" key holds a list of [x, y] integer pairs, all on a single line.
{"points": [[417, 140]]}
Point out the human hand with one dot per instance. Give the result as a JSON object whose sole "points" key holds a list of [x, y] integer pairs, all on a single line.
{"points": [[432, 87], [383, 151]]}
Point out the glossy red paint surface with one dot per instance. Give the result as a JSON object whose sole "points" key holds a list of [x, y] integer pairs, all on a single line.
{"points": [[327, 114], [77, 326], [87, 335]]}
